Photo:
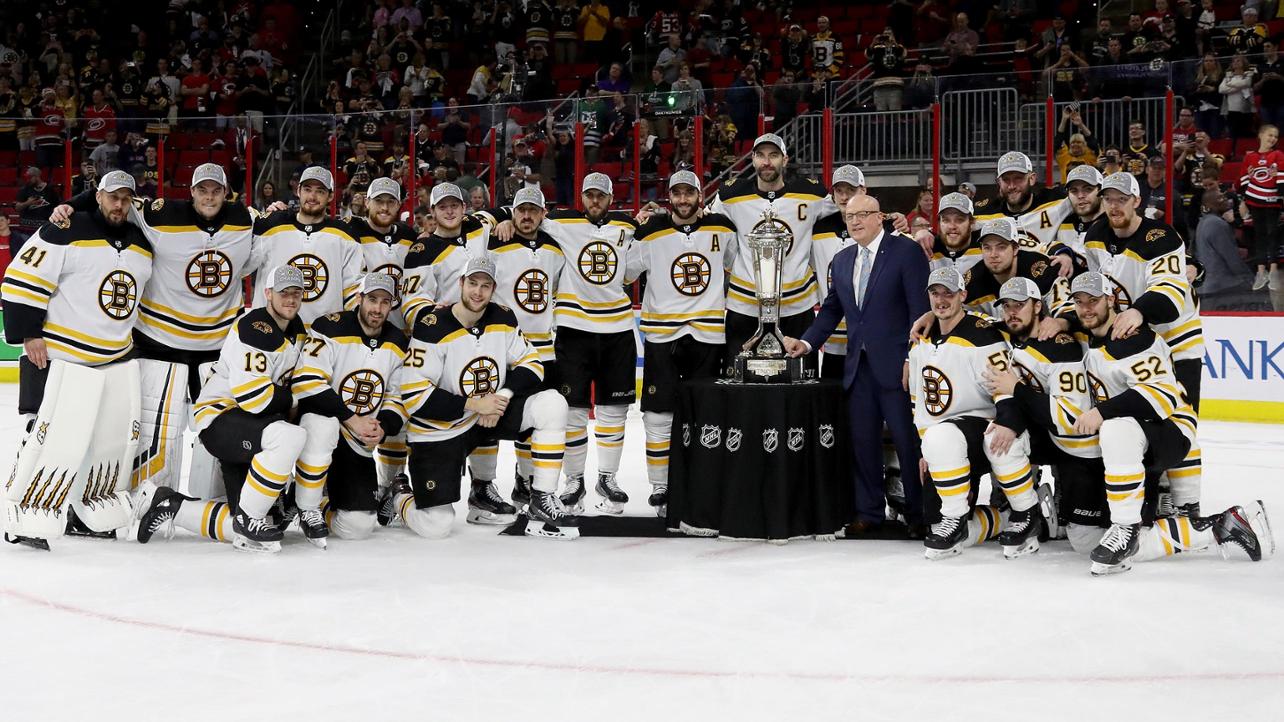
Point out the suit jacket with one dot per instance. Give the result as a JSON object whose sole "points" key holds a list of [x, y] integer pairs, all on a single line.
{"points": [[896, 297]]}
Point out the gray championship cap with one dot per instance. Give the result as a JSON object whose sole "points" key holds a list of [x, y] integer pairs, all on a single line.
{"points": [[116, 180], [1084, 174], [209, 172], [318, 174], [957, 202], [966, 186], [384, 187], [379, 282], [1092, 283], [849, 174], [1014, 160], [531, 196], [598, 182], [947, 276], [1019, 289], [773, 139], [684, 178], [1125, 183], [442, 191], [480, 264], [286, 276], [1004, 228]]}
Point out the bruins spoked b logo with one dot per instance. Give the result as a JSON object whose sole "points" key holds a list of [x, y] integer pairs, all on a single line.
{"points": [[690, 274], [118, 295], [362, 391], [531, 291], [598, 263], [1028, 378], [938, 392], [1098, 389], [479, 377], [209, 274], [316, 277]]}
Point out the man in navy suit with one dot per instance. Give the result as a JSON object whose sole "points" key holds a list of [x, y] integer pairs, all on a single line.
{"points": [[877, 286]]}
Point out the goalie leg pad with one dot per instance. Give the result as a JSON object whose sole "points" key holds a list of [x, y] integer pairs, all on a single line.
{"points": [[163, 418], [105, 502]]}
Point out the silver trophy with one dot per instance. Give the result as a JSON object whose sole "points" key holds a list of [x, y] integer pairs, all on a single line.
{"points": [[763, 359]]}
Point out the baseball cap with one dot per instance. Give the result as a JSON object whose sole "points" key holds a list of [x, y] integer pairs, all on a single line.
{"points": [[773, 139], [947, 276], [1092, 283], [1156, 160], [1123, 182], [318, 174], [533, 196], [209, 172], [384, 187], [1019, 289], [684, 177], [286, 276], [598, 182], [442, 191], [379, 282], [1002, 227], [850, 175], [1086, 174], [956, 201], [116, 180], [480, 264], [967, 186], [1014, 161]]}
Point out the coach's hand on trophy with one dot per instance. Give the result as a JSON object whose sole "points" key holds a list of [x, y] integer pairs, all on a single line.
{"points": [[795, 348], [61, 214], [487, 405], [37, 352]]}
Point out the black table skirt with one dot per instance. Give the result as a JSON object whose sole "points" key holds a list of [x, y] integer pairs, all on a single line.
{"points": [[760, 461]]}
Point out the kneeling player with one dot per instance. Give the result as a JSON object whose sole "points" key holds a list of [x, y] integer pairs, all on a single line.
{"points": [[241, 418], [471, 378], [963, 426]]}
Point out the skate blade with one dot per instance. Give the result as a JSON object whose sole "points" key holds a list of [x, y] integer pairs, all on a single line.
{"points": [[486, 518], [1020, 550], [1103, 570], [662, 511], [240, 543], [319, 542], [938, 554], [1261, 524], [537, 528], [607, 506], [29, 542]]}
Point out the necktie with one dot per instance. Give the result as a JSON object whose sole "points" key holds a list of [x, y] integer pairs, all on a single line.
{"points": [[866, 264]]}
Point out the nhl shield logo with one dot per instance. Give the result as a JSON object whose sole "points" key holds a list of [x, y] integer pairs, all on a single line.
{"points": [[827, 435], [710, 436], [686, 434], [733, 439], [770, 440], [796, 438]]}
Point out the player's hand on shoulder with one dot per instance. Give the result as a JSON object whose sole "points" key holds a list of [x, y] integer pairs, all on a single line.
{"points": [[900, 223], [276, 206], [505, 231], [1126, 324], [61, 214], [1064, 264], [1050, 327], [919, 330]]}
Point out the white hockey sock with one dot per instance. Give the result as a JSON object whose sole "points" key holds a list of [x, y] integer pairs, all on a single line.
{"points": [[658, 427], [576, 442], [314, 460], [945, 449], [209, 519], [522, 450], [270, 468], [1172, 535], [609, 430], [545, 415], [1123, 445], [1186, 478], [985, 524], [483, 462]]}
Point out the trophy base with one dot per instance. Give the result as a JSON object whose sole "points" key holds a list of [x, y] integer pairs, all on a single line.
{"points": [[759, 370]]}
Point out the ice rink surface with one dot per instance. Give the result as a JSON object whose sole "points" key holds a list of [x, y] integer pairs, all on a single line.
{"points": [[484, 627]]}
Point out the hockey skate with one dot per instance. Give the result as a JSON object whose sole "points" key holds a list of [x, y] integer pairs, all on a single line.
{"points": [[1245, 530], [76, 527], [945, 538], [573, 497], [312, 524], [486, 506], [894, 494], [659, 499], [1020, 536], [521, 491], [252, 534], [1116, 549], [549, 519], [613, 497], [27, 541], [1049, 508], [387, 515], [159, 516]]}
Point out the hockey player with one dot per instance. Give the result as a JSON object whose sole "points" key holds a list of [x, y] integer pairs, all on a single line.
{"points": [[322, 248], [596, 345], [435, 262], [956, 245], [828, 238], [798, 204], [471, 378], [1083, 188], [685, 255], [384, 240], [1004, 259], [72, 295], [241, 419], [1038, 210], [965, 429]]}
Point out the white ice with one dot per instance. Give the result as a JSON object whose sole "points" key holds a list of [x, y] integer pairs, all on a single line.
{"points": [[486, 627]]}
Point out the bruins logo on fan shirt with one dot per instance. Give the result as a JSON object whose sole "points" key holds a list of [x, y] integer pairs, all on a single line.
{"points": [[479, 377], [938, 391], [362, 391], [316, 277], [690, 274], [531, 291], [209, 274], [118, 295], [598, 263]]}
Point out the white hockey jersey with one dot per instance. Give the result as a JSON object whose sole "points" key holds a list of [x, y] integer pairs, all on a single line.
{"points": [[343, 372], [327, 255], [686, 268], [529, 270], [253, 370], [385, 253], [947, 371], [434, 265], [829, 237], [1054, 390], [78, 288], [591, 293], [1134, 377], [963, 260], [1040, 223], [983, 286]]}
